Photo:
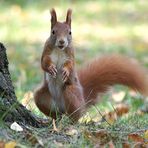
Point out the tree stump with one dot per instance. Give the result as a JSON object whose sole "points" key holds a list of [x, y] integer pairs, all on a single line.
{"points": [[10, 109]]}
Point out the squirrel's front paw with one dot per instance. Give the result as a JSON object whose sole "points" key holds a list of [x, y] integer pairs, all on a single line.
{"points": [[65, 74], [52, 70]]}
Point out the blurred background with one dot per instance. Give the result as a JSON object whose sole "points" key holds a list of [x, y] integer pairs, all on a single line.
{"points": [[99, 27]]}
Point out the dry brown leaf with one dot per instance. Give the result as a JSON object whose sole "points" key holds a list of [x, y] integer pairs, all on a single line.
{"points": [[122, 109], [100, 137], [119, 111], [71, 131], [126, 145], [2, 144], [111, 117], [135, 137], [102, 133], [140, 145], [11, 144], [33, 139]]}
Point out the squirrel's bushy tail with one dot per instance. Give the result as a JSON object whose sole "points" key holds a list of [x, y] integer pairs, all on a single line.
{"points": [[107, 71]]}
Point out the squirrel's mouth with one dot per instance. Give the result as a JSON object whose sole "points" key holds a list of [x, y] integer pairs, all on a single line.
{"points": [[61, 46]]}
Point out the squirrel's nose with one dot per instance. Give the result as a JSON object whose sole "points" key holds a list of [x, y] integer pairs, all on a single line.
{"points": [[61, 41]]}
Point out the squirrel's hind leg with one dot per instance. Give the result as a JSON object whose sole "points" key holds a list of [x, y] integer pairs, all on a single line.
{"points": [[42, 100], [74, 101]]}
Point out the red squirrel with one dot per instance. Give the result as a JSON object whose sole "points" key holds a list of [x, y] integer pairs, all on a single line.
{"points": [[68, 91]]}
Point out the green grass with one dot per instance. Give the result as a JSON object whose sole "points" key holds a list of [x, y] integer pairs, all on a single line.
{"points": [[98, 27], [118, 133]]}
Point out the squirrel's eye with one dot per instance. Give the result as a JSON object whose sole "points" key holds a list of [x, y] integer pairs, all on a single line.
{"points": [[53, 32], [69, 32]]}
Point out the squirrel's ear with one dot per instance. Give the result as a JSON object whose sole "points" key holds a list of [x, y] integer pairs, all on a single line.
{"points": [[53, 17], [68, 17]]}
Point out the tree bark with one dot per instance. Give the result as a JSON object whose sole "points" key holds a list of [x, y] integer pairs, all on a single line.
{"points": [[10, 109]]}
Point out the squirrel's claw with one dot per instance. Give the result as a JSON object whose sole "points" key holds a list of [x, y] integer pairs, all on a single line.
{"points": [[52, 70], [65, 74]]}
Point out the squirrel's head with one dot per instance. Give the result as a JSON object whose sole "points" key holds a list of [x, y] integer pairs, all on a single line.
{"points": [[61, 35]]}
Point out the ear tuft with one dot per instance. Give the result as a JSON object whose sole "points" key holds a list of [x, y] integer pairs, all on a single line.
{"points": [[53, 17], [68, 17]]}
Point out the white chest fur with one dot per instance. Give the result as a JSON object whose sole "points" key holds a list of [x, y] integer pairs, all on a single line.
{"points": [[58, 57]]}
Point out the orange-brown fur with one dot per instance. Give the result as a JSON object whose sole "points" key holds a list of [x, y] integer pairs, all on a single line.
{"points": [[107, 71], [42, 95], [66, 92], [65, 83]]}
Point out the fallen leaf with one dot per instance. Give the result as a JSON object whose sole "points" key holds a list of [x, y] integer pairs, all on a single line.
{"points": [[27, 97], [122, 109], [33, 139], [140, 145], [110, 117], [135, 137], [2, 144], [11, 144], [86, 118], [90, 118], [100, 137], [16, 127], [28, 101], [118, 97], [119, 111], [126, 145], [58, 144], [140, 113], [146, 137], [71, 131], [146, 134]]}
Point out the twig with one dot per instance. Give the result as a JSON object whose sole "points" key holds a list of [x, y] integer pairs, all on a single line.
{"points": [[101, 115]]}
